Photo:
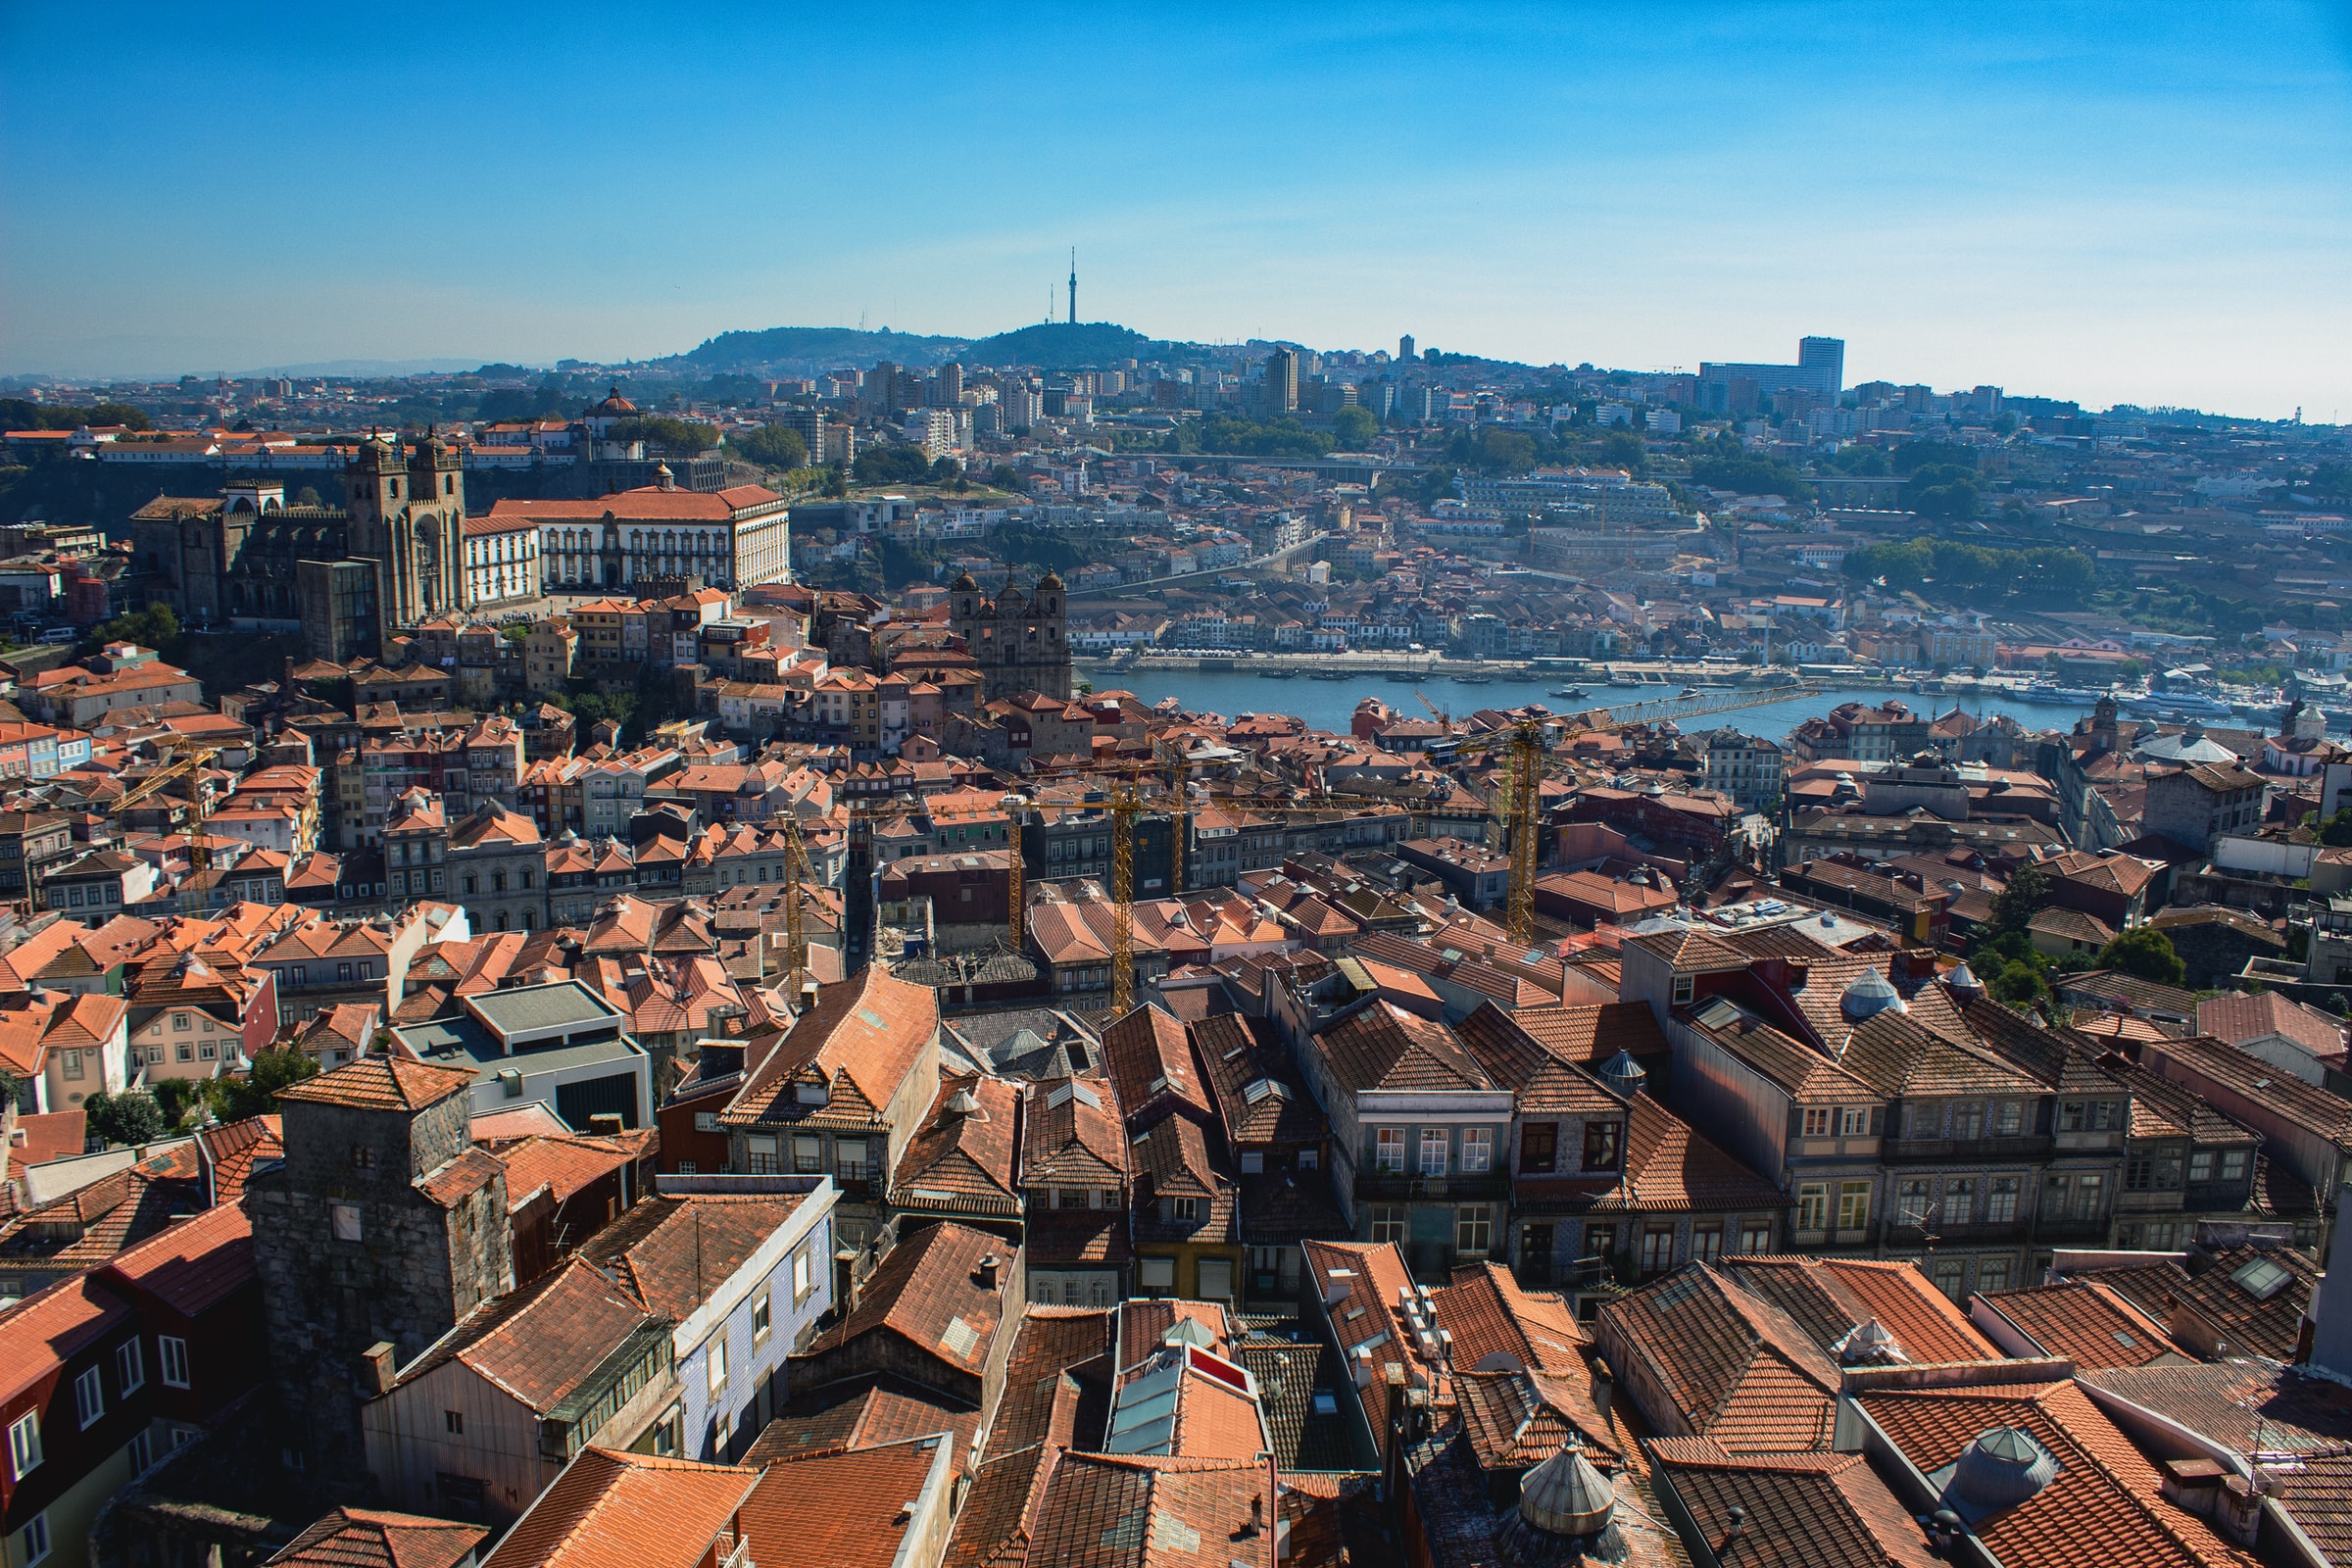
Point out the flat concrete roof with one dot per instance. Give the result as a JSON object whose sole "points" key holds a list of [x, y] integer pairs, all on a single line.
{"points": [[530, 1014]]}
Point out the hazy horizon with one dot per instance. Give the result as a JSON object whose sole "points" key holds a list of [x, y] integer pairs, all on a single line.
{"points": [[2110, 204]]}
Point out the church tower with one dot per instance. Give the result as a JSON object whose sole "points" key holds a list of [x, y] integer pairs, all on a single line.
{"points": [[1021, 643], [408, 514]]}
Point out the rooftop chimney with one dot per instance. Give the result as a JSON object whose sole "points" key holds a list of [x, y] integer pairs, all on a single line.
{"points": [[377, 1378]]}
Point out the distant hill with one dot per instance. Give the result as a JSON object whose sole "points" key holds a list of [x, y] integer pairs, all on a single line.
{"points": [[1062, 346], [834, 344]]}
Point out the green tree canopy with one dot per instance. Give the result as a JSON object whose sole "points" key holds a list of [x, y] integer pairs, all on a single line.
{"points": [[893, 465], [1913, 456], [1354, 426], [2025, 895], [23, 413], [129, 1117], [255, 1093], [156, 626], [773, 446], [2147, 952], [1272, 438], [665, 431], [1976, 574], [1750, 476]]}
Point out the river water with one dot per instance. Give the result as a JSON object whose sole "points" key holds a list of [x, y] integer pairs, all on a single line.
{"points": [[1330, 704]]}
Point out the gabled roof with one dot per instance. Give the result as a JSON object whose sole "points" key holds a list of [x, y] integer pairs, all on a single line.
{"points": [[1151, 1062], [673, 1254], [862, 1038], [962, 1160], [382, 1083], [927, 1292], [1070, 1135], [1796, 1511], [1831, 1297], [849, 1508], [2101, 1508], [1497, 1324], [2083, 1321], [610, 1509], [1381, 1046], [862, 1414], [1106, 1510], [539, 1342], [370, 1538], [1737, 1368]]}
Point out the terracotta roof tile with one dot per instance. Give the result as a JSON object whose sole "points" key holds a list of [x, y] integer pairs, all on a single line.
{"points": [[370, 1538], [1129, 1511], [1797, 1510], [2101, 1510], [1496, 1326], [382, 1083], [864, 1414], [2083, 1321], [847, 1509], [927, 1292], [1735, 1367], [609, 1509]]}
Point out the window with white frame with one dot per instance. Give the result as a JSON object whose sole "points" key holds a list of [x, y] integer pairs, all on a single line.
{"points": [[1478, 1150], [25, 1444], [36, 1539], [89, 1397], [131, 1366], [1437, 1147], [1387, 1149], [173, 1351], [718, 1364]]}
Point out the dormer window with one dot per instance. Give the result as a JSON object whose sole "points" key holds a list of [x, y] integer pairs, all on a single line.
{"points": [[812, 1094], [1681, 989], [1600, 1145]]}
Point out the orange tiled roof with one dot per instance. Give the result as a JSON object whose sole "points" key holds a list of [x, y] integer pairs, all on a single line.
{"points": [[382, 1083], [609, 1509]]}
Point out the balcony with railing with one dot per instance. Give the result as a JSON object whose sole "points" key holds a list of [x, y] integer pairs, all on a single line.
{"points": [[2025, 1148], [1382, 1185]]}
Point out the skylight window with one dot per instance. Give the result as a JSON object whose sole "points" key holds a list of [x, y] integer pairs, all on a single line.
{"points": [[2263, 1278]]}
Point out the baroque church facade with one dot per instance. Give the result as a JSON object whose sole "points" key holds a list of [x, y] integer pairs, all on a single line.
{"points": [[1020, 640]]}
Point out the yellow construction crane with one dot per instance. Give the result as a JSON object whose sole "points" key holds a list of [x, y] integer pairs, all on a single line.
{"points": [[191, 768], [1516, 815], [800, 875]]}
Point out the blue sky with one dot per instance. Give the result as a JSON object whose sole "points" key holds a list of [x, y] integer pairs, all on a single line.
{"points": [[2141, 203]]}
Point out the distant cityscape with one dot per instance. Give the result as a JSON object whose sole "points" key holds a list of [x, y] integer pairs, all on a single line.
{"points": [[1065, 948]]}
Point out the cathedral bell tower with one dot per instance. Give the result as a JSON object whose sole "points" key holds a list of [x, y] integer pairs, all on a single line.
{"points": [[408, 515]]}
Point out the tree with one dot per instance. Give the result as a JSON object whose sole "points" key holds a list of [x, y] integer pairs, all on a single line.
{"points": [[2017, 983], [2147, 952], [154, 626], [894, 463], [129, 1117], [2015, 906], [773, 446], [255, 1092], [663, 430], [1354, 425]]}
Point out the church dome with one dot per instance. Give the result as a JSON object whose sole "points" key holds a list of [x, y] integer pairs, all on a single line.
{"points": [[1871, 994], [1051, 583], [963, 584], [615, 405]]}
